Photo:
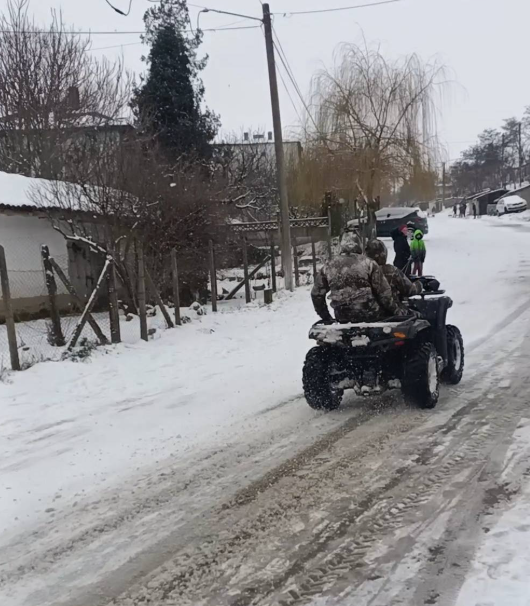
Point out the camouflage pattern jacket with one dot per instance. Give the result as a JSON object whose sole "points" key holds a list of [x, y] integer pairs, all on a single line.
{"points": [[359, 290], [401, 286]]}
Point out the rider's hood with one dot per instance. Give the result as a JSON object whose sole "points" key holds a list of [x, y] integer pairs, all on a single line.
{"points": [[350, 244], [418, 234], [376, 250]]}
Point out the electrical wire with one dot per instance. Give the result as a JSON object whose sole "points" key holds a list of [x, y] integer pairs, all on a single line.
{"points": [[284, 61], [120, 12], [129, 33], [71, 33], [100, 48], [290, 96], [110, 33], [334, 10]]}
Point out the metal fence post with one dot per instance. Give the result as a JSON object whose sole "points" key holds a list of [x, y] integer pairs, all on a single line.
{"points": [[10, 321]]}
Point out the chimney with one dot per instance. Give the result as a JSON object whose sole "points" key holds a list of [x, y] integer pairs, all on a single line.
{"points": [[270, 135], [245, 137]]}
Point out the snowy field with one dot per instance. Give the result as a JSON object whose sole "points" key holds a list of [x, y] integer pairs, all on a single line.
{"points": [[81, 443]]}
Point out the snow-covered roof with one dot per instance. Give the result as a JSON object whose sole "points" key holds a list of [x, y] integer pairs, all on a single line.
{"points": [[18, 193], [15, 191], [523, 187]]}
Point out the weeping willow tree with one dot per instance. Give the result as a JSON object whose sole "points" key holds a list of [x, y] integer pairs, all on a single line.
{"points": [[373, 126]]}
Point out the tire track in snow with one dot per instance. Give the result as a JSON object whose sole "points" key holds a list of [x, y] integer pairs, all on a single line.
{"points": [[204, 574]]}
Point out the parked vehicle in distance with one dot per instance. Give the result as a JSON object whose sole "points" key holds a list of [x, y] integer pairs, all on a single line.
{"points": [[511, 204], [390, 217]]}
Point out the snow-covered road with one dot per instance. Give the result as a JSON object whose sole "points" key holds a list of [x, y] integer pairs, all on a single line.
{"points": [[192, 463]]}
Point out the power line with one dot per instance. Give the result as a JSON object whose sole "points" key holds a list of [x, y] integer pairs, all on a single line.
{"points": [[292, 78], [120, 12], [335, 10], [70, 33], [229, 29], [111, 33], [99, 48], [290, 96], [285, 62], [206, 9]]}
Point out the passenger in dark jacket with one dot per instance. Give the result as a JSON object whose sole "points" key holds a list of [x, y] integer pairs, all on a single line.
{"points": [[359, 291], [401, 247], [402, 287]]}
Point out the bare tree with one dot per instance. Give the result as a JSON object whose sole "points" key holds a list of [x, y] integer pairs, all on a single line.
{"points": [[128, 194], [247, 172], [375, 119], [52, 91]]}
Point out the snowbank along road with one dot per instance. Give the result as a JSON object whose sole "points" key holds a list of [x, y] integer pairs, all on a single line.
{"points": [[189, 471]]}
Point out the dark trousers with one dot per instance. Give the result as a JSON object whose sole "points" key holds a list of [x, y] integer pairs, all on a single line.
{"points": [[418, 268]]}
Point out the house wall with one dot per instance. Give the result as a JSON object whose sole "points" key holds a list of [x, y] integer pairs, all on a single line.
{"points": [[22, 236]]}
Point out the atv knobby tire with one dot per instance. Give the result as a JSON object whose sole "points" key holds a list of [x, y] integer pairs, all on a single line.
{"points": [[422, 381], [454, 370], [317, 380]]}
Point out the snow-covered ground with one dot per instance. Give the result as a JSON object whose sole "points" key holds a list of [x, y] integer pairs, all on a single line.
{"points": [[80, 441], [500, 571], [523, 217]]}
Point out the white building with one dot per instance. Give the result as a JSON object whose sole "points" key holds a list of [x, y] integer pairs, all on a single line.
{"points": [[24, 227]]}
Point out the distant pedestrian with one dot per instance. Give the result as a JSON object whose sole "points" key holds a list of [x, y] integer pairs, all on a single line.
{"points": [[463, 208], [418, 252], [401, 248], [474, 210], [454, 210]]}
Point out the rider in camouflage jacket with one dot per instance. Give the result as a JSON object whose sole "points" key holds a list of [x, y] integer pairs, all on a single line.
{"points": [[401, 286], [359, 291]]}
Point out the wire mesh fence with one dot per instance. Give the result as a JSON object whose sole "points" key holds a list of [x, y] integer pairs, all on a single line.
{"points": [[32, 309], [82, 297], [47, 305], [79, 297]]}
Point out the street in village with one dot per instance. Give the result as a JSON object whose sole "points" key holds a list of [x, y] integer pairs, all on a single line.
{"points": [[184, 475]]}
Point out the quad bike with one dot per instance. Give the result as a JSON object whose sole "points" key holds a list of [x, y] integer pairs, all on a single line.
{"points": [[414, 353]]}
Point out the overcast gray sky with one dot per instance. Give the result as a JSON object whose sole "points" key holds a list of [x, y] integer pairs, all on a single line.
{"points": [[483, 42]]}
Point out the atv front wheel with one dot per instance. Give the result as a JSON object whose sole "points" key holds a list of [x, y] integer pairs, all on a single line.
{"points": [[454, 370], [316, 380], [422, 381]]}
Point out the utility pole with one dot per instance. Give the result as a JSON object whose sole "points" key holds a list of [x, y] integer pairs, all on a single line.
{"points": [[287, 259]]}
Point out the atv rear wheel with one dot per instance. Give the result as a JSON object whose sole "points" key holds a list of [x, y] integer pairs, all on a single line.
{"points": [[422, 381], [454, 370], [316, 380]]}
